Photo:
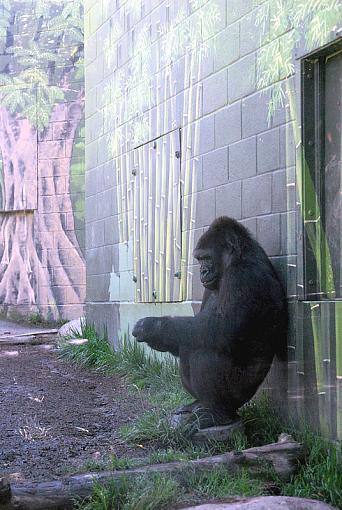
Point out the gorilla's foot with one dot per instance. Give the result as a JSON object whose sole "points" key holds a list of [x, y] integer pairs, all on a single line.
{"points": [[217, 433], [187, 408], [207, 417]]}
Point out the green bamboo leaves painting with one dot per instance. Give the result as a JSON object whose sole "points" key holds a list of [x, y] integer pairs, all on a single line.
{"points": [[141, 106], [284, 26]]}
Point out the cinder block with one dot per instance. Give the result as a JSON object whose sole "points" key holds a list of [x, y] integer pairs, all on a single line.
{"points": [[228, 200], [203, 130], [215, 92], [251, 225], [109, 177], [91, 208], [103, 150], [283, 190], [90, 48], [254, 114], [90, 183], [92, 260], [95, 234], [127, 286], [251, 36], [205, 208], [98, 287], [226, 46], [268, 234], [241, 78], [238, 8], [90, 104], [215, 168], [91, 155], [112, 230], [242, 159], [106, 203], [287, 145], [228, 125], [289, 233], [94, 126], [268, 151], [257, 196]]}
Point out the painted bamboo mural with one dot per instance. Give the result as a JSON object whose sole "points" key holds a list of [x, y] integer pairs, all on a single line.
{"points": [[158, 214], [283, 29]]}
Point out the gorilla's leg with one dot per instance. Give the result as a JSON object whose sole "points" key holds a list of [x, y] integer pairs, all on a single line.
{"points": [[212, 382]]}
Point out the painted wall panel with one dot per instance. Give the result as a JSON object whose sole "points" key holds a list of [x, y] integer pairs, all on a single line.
{"points": [[226, 74], [156, 210], [42, 267]]}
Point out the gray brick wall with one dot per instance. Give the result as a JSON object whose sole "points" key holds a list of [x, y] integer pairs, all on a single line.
{"points": [[245, 162]]}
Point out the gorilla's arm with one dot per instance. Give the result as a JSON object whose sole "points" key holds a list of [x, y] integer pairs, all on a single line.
{"points": [[251, 295], [168, 334]]}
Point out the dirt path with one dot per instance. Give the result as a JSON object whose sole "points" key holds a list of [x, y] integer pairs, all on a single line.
{"points": [[54, 417]]}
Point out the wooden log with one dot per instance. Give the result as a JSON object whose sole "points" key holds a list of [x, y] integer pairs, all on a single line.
{"points": [[283, 456]]}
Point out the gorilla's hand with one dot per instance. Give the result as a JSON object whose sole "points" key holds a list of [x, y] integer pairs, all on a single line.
{"points": [[149, 330]]}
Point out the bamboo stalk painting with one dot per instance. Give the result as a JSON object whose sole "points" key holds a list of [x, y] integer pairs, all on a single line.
{"points": [[164, 187], [283, 29]]}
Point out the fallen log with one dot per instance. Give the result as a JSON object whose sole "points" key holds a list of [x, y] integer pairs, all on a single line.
{"points": [[60, 494]]}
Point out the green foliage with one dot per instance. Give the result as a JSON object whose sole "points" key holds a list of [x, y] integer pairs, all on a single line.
{"points": [[132, 361], [39, 77], [128, 94], [219, 483], [156, 492], [110, 463], [153, 493], [284, 24], [5, 12], [262, 421], [320, 477], [109, 497], [96, 353]]}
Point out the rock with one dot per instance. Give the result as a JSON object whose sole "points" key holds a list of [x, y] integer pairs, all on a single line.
{"points": [[71, 327], [267, 503], [219, 433]]}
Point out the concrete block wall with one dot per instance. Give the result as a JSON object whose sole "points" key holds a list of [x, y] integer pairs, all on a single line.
{"points": [[242, 169], [233, 88]]}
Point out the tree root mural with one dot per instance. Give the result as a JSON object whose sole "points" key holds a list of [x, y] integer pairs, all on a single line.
{"points": [[41, 261], [42, 268]]}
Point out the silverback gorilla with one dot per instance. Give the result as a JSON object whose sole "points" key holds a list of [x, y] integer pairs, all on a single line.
{"points": [[225, 350]]}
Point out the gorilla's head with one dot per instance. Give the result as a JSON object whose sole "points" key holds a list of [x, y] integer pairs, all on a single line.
{"points": [[224, 242]]}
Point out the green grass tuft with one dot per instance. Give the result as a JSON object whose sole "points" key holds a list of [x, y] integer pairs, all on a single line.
{"points": [[157, 492], [320, 476], [219, 483]]}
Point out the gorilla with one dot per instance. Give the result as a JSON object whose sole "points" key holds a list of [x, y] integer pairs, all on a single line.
{"points": [[226, 350]]}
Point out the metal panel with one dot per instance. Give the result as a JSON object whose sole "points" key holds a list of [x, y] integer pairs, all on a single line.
{"points": [[321, 169], [157, 220]]}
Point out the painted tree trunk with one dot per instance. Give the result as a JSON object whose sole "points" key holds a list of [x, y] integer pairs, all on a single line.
{"points": [[41, 262]]}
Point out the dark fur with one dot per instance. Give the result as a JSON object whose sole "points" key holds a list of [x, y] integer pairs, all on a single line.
{"points": [[226, 350]]}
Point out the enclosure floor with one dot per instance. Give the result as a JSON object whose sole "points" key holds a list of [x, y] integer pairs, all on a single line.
{"points": [[55, 417]]}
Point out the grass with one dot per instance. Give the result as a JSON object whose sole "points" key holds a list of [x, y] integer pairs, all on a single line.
{"points": [[156, 492], [319, 477], [33, 319], [219, 483]]}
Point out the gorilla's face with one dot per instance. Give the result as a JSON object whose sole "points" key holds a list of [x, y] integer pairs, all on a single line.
{"points": [[211, 267]]}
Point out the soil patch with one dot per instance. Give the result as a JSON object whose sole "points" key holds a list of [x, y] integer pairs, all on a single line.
{"points": [[55, 416]]}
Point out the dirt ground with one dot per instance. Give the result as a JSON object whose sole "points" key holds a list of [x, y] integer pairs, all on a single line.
{"points": [[54, 417]]}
